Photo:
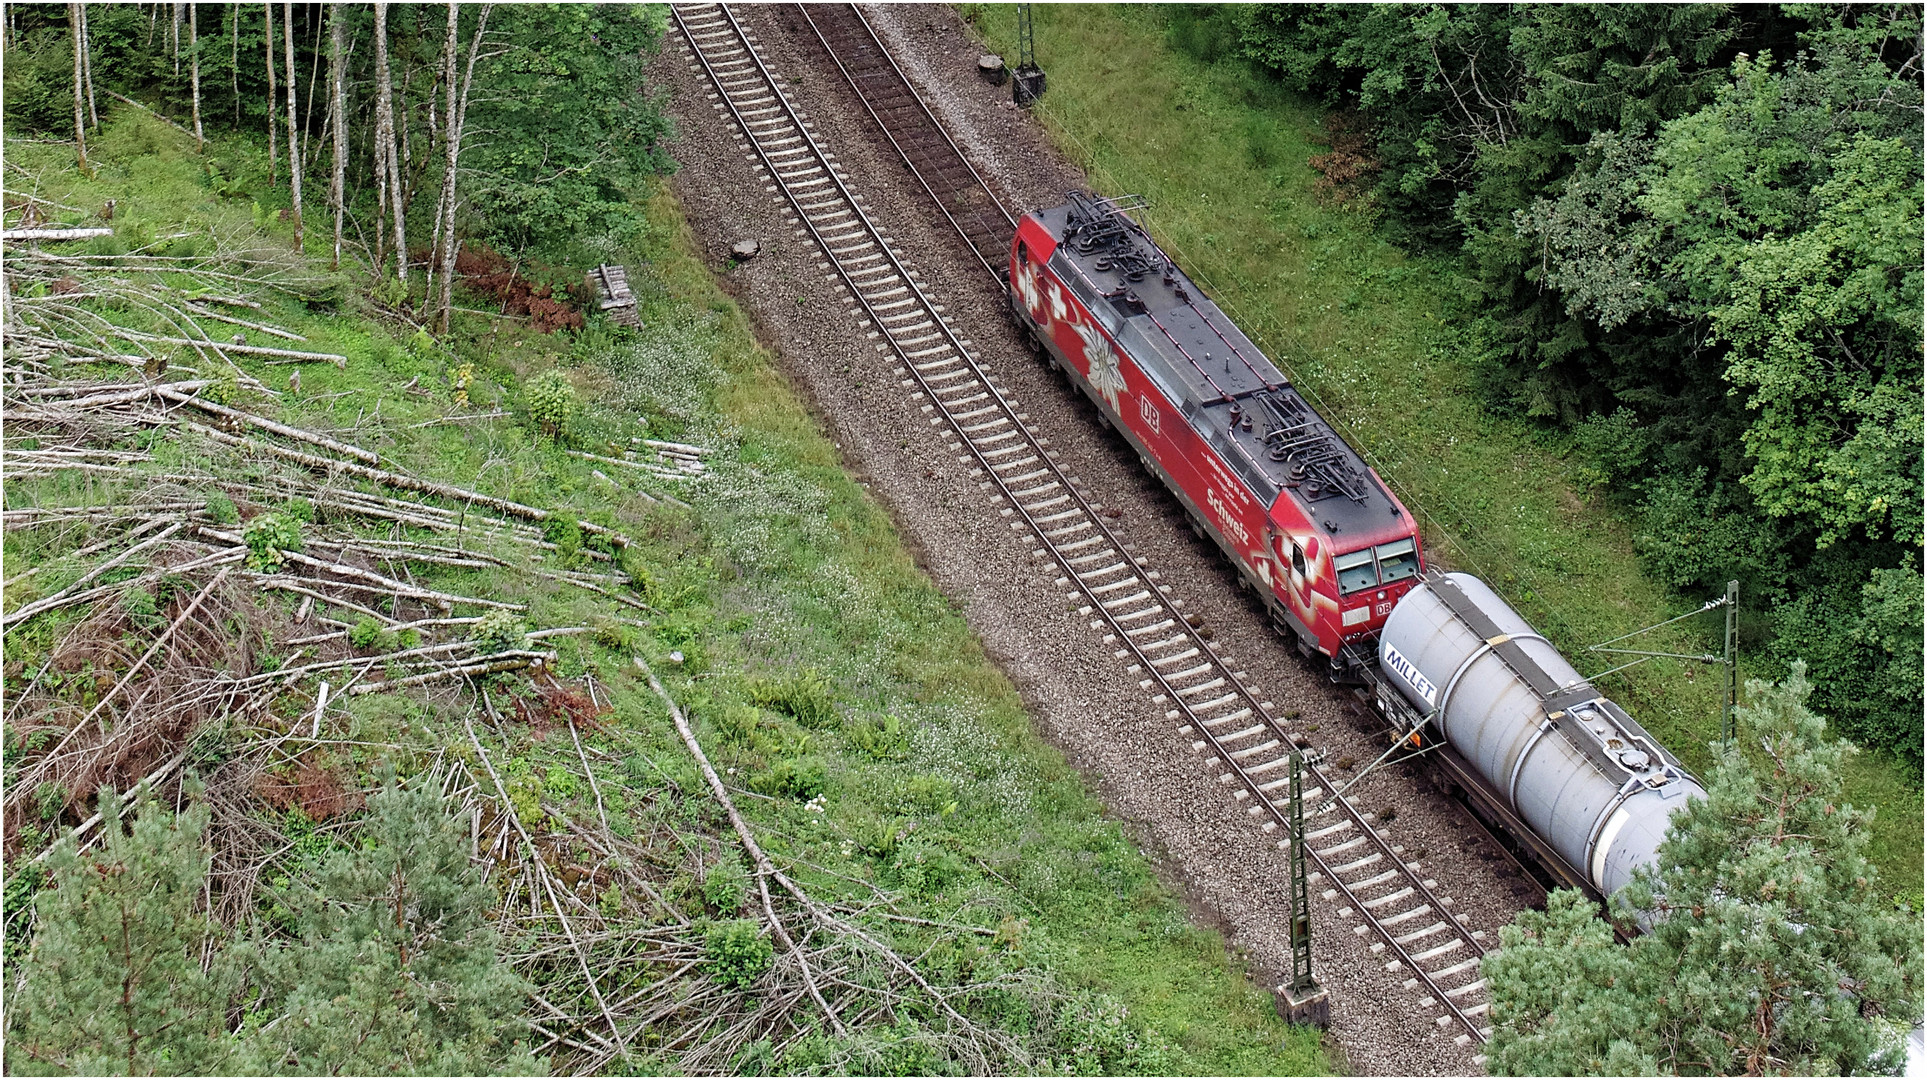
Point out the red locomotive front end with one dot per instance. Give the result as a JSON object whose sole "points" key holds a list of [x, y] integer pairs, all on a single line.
{"points": [[1304, 519]]}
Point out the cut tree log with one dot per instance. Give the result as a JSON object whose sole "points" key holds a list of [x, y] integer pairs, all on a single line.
{"points": [[507, 661], [276, 331], [26, 611], [188, 612], [542, 872], [245, 350], [15, 236], [765, 869]]}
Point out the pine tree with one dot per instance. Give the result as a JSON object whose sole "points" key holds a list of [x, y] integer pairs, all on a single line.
{"points": [[1770, 948], [114, 982], [397, 970]]}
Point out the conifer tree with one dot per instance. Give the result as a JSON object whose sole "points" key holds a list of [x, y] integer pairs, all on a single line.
{"points": [[114, 981], [1769, 948], [396, 970]]}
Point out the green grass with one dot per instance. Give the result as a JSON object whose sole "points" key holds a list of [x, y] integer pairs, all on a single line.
{"points": [[785, 588], [1359, 326]]}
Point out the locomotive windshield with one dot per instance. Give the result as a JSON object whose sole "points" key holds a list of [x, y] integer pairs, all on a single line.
{"points": [[1355, 570], [1397, 561], [1359, 569]]}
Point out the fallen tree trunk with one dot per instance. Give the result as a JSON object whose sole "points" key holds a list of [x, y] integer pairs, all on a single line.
{"points": [[401, 480], [265, 424], [765, 869]]}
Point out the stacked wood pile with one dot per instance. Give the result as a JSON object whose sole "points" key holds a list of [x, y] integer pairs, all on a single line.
{"points": [[610, 284]]}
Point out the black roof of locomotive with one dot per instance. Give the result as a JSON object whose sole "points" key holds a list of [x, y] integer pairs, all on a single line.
{"points": [[1160, 317]]}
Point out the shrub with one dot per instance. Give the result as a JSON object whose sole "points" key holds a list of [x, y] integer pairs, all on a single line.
{"points": [[39, 83], [885, 740], [614, 636], [801, 778], [365, 634], [269, 538], [564, 532], [552, 403], [221, 509], [1097, 1039], [928, 795], [737, 952], [141, 608], [922, 868], [803, 695], [499, 631], [725, 884]]}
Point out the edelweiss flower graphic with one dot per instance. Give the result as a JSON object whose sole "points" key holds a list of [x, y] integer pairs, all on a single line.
{"points": [[1102, 363], [1033, 297]]}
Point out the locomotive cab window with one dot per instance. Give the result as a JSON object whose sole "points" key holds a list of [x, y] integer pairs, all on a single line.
{"points": [[1298, 559], [1356, 570], [1397, 561]]}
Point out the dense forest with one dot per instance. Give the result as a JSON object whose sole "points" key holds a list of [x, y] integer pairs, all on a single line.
{"points": [[552, 127], [1690, 244]]}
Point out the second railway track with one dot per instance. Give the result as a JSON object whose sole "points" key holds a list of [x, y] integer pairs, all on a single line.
{"points": [[1359, 869]]}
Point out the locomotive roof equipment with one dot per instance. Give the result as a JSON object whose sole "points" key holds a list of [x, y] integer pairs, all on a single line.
{"points": [[1228, 388]]}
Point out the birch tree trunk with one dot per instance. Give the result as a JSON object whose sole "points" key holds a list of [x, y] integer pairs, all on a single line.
{"points": [[294, 130], [448, 145], [80, 92], [267, 13], [314, 83], [194, 70], [457, 122], [337, 191], [174, 36], [234, 61], [385, 137], [87, 67]]}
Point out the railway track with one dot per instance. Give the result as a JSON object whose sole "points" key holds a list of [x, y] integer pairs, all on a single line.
{"points": [[918, 138], [1358, 868]]}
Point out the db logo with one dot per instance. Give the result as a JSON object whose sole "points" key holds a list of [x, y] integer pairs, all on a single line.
{"points": [[1385, 607], [1147, 410]]}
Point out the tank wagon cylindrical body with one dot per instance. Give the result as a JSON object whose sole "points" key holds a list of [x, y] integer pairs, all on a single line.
{"points": [[1308, 524], [1566, 759]]}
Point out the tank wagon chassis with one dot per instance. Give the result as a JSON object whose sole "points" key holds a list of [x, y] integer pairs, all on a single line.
{"points": [[1357, 867]]}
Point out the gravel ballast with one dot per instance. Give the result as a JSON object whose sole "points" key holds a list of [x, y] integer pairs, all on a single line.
{"points": [[1146, 773]]}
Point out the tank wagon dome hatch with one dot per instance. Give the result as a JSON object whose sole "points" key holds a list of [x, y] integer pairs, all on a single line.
{"points": [[1573, 764], [1229, 391]]}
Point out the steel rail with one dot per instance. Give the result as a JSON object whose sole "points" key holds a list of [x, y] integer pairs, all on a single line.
{"points": [[1211, 673]]}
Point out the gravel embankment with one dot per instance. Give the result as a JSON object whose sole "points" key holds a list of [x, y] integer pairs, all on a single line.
{"points": [[1146, 773]]}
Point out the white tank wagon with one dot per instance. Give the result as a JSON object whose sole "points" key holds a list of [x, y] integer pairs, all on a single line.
{"points": [[1567, 760]]}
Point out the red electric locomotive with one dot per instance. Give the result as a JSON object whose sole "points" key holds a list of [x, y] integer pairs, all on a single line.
{"points": [[1310, 526]]}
